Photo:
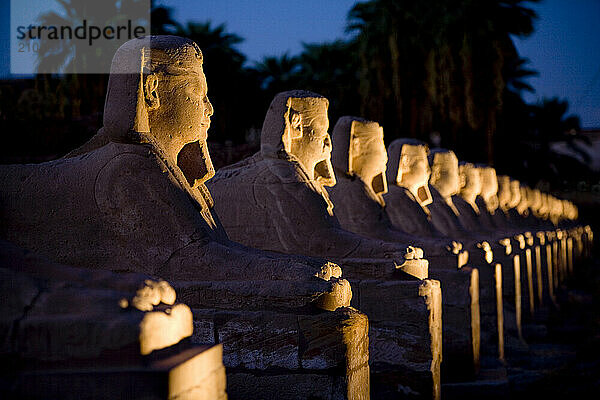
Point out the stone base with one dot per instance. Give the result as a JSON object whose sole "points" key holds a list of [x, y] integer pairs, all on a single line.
{"points": [[512, 292], [194, 373], [272, 354], [405, 336], [461, 322], [491, 309]]}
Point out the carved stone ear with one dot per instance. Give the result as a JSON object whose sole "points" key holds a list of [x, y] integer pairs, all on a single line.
{"points": [[462, 179], [295, 120], [150, 93], [435, 174]]}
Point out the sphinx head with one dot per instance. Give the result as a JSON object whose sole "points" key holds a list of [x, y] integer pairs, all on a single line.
{"points": [[536, 200], [295, 127], [572, 211], [556, 209], [470, 182], [489, 181], [359, 150], [515, 193], [444, 172], [544, 206], [504, 192], [164, 103], [525, 202], [408, 167], [489, 187]]}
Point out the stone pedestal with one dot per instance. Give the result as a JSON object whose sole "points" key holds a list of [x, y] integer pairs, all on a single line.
{"points": [[405, 336], [461, 322], [302, 355], [491, 286], [193, 373]]}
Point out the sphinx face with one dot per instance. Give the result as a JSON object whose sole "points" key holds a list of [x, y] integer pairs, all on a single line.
{"points": [[414, 172], [556, 209], [310, 141], [414, 167], [504, 192], [179, 121], [525, 201], [368, 156], [444, 174], [543, 210], [536, 199], [470, 180], [515, 191], [489, 182]]}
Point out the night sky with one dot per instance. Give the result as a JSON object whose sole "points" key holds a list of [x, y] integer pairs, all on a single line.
{"points": [[565, 47]]}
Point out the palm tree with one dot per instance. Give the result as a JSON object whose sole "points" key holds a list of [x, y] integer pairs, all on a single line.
{"points": [[438, 65], [72, 55], [278, 73], [332, 70], [162, 21]]}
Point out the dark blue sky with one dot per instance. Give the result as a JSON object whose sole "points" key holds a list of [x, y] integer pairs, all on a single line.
{"points": [[565, 48]]}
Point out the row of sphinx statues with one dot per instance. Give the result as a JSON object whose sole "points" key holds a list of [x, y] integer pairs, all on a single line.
{"points": [[320, 267]]}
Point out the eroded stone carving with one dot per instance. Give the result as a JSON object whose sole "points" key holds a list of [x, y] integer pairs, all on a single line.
{"points": [[470, 184], [408, 195], [70, 313], [69, 332], [489, 188], [139, 203], [445, 184], [134, 199]]}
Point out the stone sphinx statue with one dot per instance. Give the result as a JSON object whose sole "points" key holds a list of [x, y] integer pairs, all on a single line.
{"points": [[504, 193], [466, 200], [489, 188], [134, 199], [282, 202], [515, 201], [487, 200], [408, 197], [510, 199], [524, 202], [106, 207], [359, 159], [544, 210], [444, 185]]}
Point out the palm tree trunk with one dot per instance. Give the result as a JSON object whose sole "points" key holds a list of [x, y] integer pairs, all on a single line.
{"points": [[395, 62]]}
